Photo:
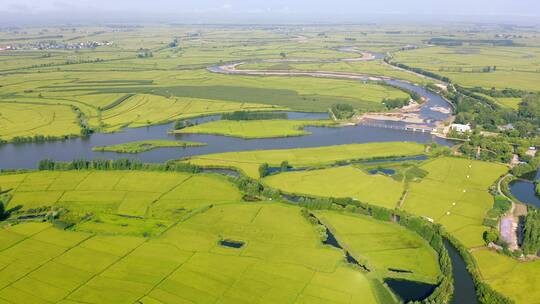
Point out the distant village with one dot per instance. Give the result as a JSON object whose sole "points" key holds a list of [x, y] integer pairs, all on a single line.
{"points": [[54, 45]]}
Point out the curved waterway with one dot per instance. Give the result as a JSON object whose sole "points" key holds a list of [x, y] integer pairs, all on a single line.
{"points": [[525, 189], [434, 109], [27, 155]]}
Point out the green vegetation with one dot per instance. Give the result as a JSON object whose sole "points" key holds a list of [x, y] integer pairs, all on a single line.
{"points": [[531, 232], [390, 250], [396, 103], [256, 128], [515, 67], [143, 109], [149, 232], [249, 161], [341, 182], [342, 111], [19, 121], [115, 202], [109, 212], [454, 194], [146, 145], [243, 115], [431, 233], [512, 278], [501, 205]]}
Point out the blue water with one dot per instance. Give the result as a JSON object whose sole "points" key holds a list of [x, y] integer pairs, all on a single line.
{"points": [[27, 155], [382, 170]]}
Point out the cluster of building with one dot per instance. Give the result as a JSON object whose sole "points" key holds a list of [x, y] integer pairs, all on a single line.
{"points": [[54, 45]]}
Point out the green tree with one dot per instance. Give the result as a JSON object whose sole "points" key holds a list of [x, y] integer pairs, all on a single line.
{"points": [[284, 166], [490, 236], [263, 170]]}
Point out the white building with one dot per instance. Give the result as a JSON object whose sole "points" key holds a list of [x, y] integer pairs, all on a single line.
{"points": [[460, 128]]}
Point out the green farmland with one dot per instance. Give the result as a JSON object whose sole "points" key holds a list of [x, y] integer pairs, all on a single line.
{"points": [[340, 182], [275, 211], [516, 67], [510, 277], [249, 161], [256, 128], [385, 247], [119, 202], [454, 194], [146, 145], [168, 249]]}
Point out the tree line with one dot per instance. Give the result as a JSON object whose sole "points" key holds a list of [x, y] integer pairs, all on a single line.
{"points": [[117, 164]]}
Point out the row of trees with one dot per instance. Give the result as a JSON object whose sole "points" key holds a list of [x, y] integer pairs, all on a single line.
{"points": [[395, 103], [4, 199], [531, 232], [38, 138], [417, 70], [245, 115], [117, 164]]}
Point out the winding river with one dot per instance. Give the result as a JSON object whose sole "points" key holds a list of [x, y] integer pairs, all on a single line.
{"points": [[434, 109], [27, 155]]}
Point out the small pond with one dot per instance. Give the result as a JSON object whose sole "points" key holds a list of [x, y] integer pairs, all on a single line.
{"points": [[383, 171], [525, 191], [410, 290], [231, 244]]}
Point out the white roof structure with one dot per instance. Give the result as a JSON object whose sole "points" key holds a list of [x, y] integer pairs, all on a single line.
{"points": [[460, 128]]}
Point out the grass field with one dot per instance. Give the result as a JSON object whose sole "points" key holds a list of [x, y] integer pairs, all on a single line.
{"points": [[341, 182], [249, 161], [174, 83], [512, 103], [515, 279], [454, 194], [144, 109], [373, 68], [256, 128], [31, 119], [150, 237], [384, 246], [146, 145], [516, 67], [281, 262], [118, 202]]}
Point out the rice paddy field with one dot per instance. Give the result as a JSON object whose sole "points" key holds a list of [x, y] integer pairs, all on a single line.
{"points": [[516, 279], [516, 66], [341, 182], [256, 128], [454, 194], [118, 202], [24, 119], [249, 161], [153, 237], [390, 250], [114, 86], [161, 237]]}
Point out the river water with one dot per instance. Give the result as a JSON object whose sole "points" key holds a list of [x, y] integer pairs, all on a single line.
{"points": [[27, 155], [525, 189]]}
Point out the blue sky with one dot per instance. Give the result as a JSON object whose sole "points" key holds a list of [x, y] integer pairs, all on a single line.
{"points": [[267, 9]]}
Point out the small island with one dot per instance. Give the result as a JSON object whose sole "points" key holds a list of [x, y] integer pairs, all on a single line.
{"points": [[250, 129], [146, 145]]}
